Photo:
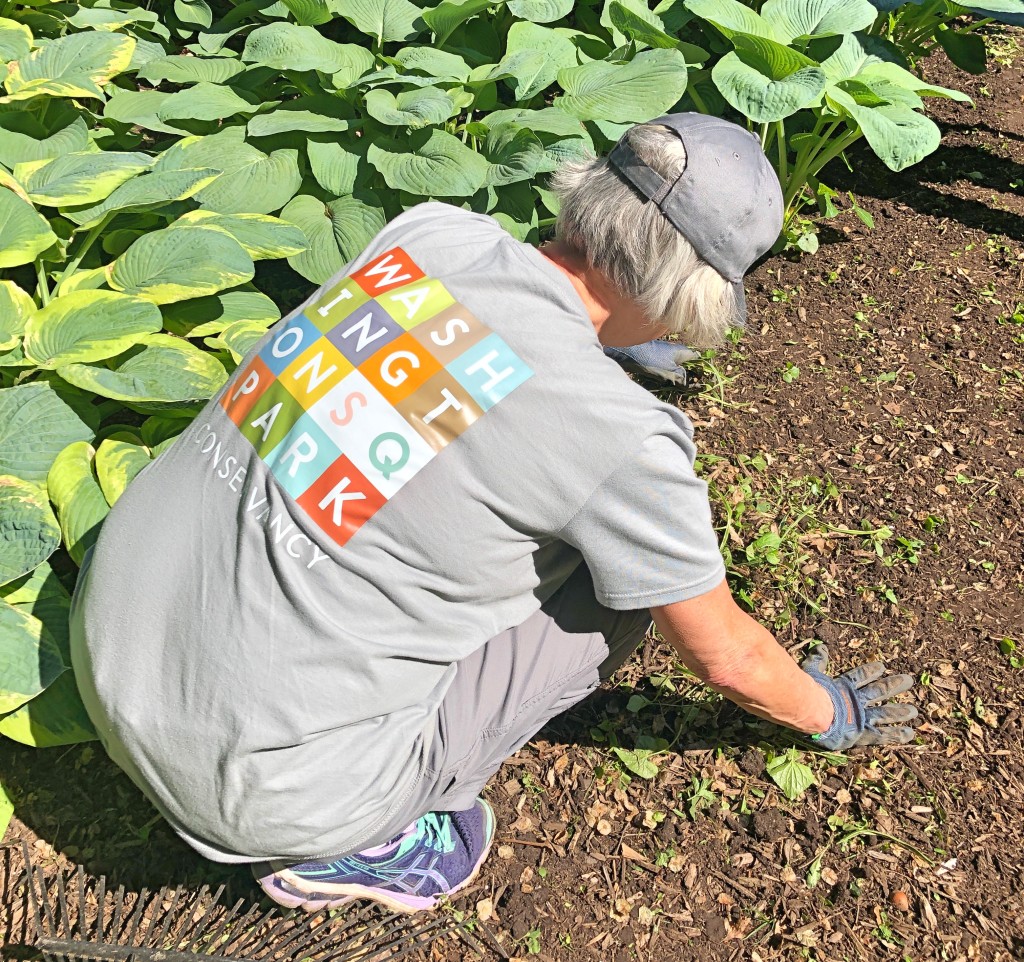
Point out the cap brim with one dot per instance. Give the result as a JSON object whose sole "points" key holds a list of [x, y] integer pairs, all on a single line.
{"points": [[740, 317]]}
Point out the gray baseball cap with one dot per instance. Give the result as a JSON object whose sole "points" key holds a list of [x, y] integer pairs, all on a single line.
{"points": [[727, 202]]}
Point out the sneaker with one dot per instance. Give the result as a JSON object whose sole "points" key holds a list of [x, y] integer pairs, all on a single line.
{"points": [[437, 855], [660, 360]]}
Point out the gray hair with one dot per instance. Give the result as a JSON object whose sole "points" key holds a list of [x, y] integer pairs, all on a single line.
{"points": [[625, 237]]}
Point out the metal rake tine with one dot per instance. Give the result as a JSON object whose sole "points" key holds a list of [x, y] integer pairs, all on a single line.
{"points": [[82, 914], [199, 924], [298, 938], [101, 907], [359, 917], [387, 939], [280, 926], [132, 924], [254, 916], [168, 916], [115, 921], [63, 916], [224, 922], [31, 888], [470, 939], [184, 931], [441, 930], [47, 908], [154, 917]]}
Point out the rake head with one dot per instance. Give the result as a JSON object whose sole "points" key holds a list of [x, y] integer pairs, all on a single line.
{"points": [[70, 917]]}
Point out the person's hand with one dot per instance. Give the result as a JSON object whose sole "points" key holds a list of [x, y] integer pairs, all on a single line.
{"points": [[860, 718]]}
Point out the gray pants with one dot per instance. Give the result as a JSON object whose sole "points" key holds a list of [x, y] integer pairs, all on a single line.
{"points": [[507, 690]]}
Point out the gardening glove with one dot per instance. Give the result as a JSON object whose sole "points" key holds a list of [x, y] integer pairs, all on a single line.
{"points": [[659, 360], [853, 694]]}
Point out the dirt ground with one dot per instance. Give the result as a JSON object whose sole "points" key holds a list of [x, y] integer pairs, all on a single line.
{"points": [[865, 451]]}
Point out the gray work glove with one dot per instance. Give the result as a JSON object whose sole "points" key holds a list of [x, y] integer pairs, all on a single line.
{"points": [[853, 696]]}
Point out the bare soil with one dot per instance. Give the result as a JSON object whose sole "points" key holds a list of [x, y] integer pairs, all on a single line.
{"points": [[905, 413]]}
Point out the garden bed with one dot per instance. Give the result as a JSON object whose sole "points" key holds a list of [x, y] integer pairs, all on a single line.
{"points": [[877, 398]]}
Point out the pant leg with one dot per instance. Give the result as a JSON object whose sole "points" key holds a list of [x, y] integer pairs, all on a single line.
{"points": [[505, 692]]}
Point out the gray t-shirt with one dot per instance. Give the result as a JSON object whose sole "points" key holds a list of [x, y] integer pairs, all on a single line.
{"points": [[408, 464]]}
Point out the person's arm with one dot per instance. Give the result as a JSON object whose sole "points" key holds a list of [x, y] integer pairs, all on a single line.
{"points": [[732, 653]]}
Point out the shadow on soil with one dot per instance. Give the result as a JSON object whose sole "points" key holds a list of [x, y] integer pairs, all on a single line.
{"points": [[948, 165], [81, 804]]}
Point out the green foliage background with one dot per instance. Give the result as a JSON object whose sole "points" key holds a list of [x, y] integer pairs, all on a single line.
{"points": [[151, 159]]}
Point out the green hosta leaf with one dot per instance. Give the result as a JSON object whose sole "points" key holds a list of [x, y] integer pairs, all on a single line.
{"points": [[29, 533], [196, 13], [76, 65], [541, 11], [288, 46], [638, 9], [323, 114], [251, 182], [203, 101], [76, 494], [899, 135], [139, 108], [731, 17], [167, 373], [158, 431], [334, 167], [146, 192], [35, 425], [550, 120], [634, 27], [117, 464], [29, 657], [897, 76], [53, 718], [16, 307], [515, 154], [17, 147], [24, 233], [337, 231], [201, 316], [358, 61], [790, 774], [103, 18], [387, 20], [431, 164], [534, 56], [40, 583], [411, 108], [88, 326], [79, 178], [15, 44], [190, 70], [436, 64], [634, 92], [966, 50], [766, 81], [88, 280], [173, 265], [239, 338], [638, 762], [817, 18], [856, 52], [311, 13], [449, 14], [263, 237]]}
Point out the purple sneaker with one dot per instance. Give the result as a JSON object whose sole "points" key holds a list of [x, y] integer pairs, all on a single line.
{"points": [[437, 855]]}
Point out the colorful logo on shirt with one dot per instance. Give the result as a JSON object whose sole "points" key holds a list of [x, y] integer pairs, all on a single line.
{"points": [[349, 400]]}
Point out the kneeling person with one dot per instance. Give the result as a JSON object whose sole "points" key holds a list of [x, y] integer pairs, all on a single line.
{"points": [[427, 514]]}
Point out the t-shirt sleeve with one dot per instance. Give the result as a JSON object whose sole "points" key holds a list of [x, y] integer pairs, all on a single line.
{"points": [[645, 532]]}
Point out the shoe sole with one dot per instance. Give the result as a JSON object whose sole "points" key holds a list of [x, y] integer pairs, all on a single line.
{"points": [[338, 895]]}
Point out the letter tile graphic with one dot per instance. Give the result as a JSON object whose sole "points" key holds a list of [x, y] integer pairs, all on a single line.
{"points": [[349, 400]]}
